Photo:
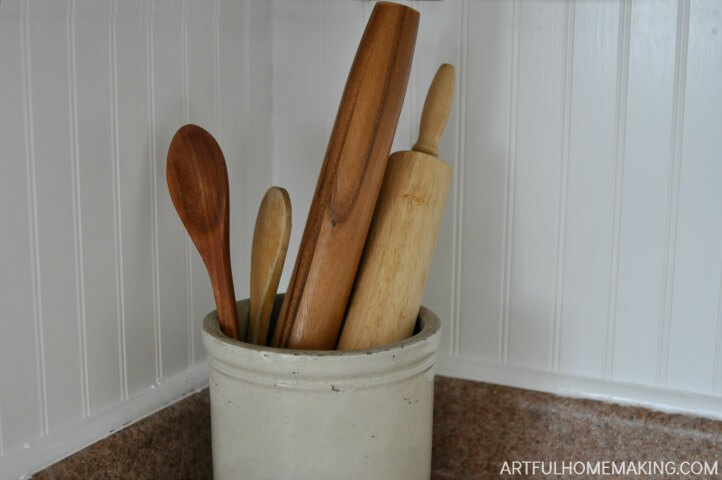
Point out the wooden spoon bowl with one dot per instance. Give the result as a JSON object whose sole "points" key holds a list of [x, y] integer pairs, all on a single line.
{"points": [[198, 185]]}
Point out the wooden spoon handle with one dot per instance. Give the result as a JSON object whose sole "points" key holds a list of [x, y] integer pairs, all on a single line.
{"points": [[223, 293], [270, 243], [436, 111]]}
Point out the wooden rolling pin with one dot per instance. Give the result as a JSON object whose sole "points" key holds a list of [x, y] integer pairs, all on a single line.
{"points": [[392, 275], [349, 182]]}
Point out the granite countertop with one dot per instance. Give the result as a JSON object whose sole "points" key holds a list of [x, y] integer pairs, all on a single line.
{"points": [[477, 427]]}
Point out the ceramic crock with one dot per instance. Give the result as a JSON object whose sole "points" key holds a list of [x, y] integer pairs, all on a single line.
{"points": [[294, 414]]}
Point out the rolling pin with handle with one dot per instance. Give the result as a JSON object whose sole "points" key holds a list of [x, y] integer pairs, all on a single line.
{"points": [[392, 274], [349, 182]]}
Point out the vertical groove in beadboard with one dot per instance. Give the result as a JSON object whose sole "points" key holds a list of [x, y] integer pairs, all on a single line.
{"points": [[411, 94], [455, 189], [77, 209], [510, 174], [150, 72], [217, 68], [454, 325], [248, 214], [187, 242], [625, 19], [564, 182], [117, 213], [216, 90], [675, 159], [717, 378], [247, 96], [458, 247], [216, 62], [414, 104], [321, 75], [29, 127]]}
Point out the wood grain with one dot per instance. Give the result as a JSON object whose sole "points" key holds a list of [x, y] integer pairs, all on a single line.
{"points": [[349, 182], [198, 185], [400, 246], [436, 111], [268, 252]]}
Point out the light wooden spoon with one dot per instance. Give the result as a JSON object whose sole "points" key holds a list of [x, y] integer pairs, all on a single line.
{"points": [[270, 243], [198, 185]]}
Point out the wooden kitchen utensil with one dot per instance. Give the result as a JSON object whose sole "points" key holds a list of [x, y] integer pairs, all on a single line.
{"points": [[198, 185], [392, 275], [349, 182], [268, 252]]}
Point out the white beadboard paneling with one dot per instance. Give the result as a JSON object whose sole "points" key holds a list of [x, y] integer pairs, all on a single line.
{"points": [[117, 213], [341, 25], [438, 41], [459, 140], [134, 159], [297, 149], [537, 182], [48, 88], [590, 195], [622, 87], [94, 287], [187, 244], [567, 77], [695, 300], [406, 128], [77, 215], [717, 378], [168, 77], [643, 222], [21, 463], [489, 71], [577, 386], [19, 405], [96, 162], [675, 160], [509, 186], [153, 157], [257, 134]]}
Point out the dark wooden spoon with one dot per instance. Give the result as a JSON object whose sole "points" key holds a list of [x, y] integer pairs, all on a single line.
{"points": [[198, 185]]}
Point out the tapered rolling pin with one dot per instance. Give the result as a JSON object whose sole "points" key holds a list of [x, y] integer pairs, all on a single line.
{"points": [[392, 275], [349, 182]]}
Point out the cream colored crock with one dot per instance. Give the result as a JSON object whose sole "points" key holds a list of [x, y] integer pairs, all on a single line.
{"points": [[291, 414]]}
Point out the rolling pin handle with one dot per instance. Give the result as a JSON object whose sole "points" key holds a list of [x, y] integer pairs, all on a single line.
{"points": [[436, 111]]}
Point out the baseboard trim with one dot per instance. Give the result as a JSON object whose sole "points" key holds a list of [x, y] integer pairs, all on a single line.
{"points": [[22, 463], [655, 398]]}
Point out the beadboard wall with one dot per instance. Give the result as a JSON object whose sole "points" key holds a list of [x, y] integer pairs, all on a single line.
{"points": [[102, 293], [581, 250]]}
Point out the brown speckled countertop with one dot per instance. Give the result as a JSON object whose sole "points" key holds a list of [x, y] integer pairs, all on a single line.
{"points": [[477, 427]]}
